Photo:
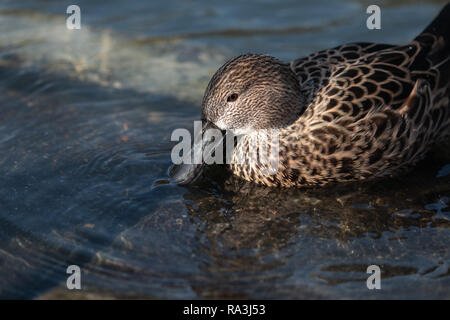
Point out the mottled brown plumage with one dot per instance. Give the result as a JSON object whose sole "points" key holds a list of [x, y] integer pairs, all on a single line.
{"points": [[354, 112]]}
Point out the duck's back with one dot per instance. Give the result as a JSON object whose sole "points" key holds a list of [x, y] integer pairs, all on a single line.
{"points": [[372, 108]]}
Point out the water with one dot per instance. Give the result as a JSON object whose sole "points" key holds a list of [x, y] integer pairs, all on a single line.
{"points": [[85, 125]]}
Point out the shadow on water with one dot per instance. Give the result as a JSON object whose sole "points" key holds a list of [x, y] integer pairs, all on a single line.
{"points": [[238, 240], [253, 232]]}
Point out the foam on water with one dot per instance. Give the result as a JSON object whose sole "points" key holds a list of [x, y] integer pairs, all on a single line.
{"points": [[101, 55]]}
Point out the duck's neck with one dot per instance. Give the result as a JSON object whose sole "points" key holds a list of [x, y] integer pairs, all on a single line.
{"points": [[263, 157]]}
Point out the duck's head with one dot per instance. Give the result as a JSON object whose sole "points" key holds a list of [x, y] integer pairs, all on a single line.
{"points": [[248, 93], [252, 92]]}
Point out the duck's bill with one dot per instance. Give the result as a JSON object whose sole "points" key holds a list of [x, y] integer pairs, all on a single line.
{"points": [[188, 173]]}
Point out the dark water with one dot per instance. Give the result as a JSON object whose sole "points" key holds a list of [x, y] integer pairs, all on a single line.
{"points": [[85, 125]]}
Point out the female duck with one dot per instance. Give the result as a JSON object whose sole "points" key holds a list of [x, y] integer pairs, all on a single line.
{"points": [[354, 112]]}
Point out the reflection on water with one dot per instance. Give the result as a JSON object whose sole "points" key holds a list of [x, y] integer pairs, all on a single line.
{"points": [[85, 145]]}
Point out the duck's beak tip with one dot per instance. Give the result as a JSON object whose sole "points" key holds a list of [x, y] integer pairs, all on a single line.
{"points": [[183, 174]]}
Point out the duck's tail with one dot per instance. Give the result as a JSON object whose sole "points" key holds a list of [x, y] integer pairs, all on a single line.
{"points": [[435, 48], [435, 42], [440, 26]]}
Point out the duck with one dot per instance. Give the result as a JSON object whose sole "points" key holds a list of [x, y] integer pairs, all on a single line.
{"points": [[356, 112]]}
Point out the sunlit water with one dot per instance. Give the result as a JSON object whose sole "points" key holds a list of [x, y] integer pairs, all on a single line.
{"points": [[85, 125]]}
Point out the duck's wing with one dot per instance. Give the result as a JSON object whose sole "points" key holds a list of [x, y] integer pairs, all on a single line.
{"points": [[369, 76], [366, 76], [309, 67], [392, 78], [314, 70]]}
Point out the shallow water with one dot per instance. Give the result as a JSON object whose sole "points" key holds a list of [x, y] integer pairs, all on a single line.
{"points": [[85, 125]]}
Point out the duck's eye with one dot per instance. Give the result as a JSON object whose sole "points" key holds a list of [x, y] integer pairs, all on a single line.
{"points": [[232, 97]]}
